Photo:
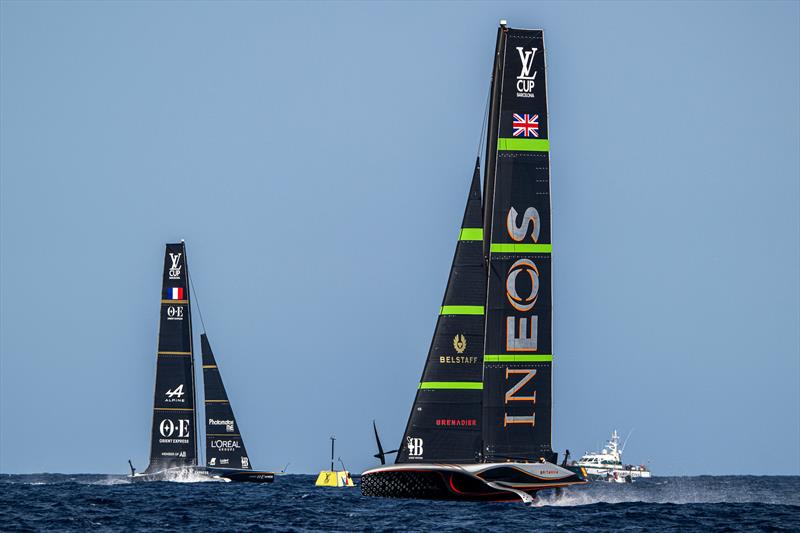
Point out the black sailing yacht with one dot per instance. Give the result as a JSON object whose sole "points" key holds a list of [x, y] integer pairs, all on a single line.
{"points": [[173, 441], [480, 426]]}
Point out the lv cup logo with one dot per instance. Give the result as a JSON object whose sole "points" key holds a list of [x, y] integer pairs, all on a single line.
{"points": [[526, 80], [175, 269]]}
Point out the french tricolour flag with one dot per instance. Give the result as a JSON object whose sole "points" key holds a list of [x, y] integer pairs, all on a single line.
{"points": [[175, 293]]}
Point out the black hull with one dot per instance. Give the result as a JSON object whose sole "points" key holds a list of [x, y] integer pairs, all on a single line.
{"points": [[450, 484], [244, 476]]}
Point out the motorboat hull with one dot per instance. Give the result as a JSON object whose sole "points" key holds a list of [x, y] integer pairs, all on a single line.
{"points": [[511, 481]]}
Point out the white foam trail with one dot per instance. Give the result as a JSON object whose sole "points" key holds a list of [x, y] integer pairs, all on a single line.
{"points": [[673, 490]]}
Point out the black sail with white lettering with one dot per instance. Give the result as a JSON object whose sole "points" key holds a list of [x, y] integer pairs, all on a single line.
{"points": [[224, 444], [444, 425], [518, 345], [174, 433]]}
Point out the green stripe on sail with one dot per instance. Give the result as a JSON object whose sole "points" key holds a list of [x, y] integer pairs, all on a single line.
{"points": [[521, 248], [471, 234], [461, 385], [461, 310], [513, 144], [518, 358]]}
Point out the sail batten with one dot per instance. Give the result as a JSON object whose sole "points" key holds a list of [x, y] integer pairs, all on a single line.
{"points": [[173, 442]]}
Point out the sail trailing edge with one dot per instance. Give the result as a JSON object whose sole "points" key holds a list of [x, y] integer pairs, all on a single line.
{"points": [[444, 424], [173, 442], [518, 344]]}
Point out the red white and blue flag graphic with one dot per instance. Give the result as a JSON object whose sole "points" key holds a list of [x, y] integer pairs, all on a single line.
{"points": [[175, 293], [526, 125]]}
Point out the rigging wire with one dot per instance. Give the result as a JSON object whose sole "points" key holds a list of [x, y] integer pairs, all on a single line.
{"points": [[485, 119], [196, 302]]}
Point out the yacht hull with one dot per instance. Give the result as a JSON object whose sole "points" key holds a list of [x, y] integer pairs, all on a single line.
{"points": [[244, 476], [474, 482]]}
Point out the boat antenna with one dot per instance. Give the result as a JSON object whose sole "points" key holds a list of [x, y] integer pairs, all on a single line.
{"points": [[333, 439], [342, 463], [196, 300], [622, 450]]}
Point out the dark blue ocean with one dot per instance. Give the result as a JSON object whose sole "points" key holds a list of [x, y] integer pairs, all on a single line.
{"points": [[110, 503]]}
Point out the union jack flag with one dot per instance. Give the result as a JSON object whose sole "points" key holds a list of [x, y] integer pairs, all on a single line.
{"points": [[526, 125]]}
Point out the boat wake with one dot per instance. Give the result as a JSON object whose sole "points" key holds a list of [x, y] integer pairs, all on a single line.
{"points": [[677, 490], [189, 475]]}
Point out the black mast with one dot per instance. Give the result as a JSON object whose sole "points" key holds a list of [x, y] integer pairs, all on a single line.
{"points": [[491, 136]]}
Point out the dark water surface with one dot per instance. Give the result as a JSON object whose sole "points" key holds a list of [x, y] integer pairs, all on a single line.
{"points": [[78, 502]]}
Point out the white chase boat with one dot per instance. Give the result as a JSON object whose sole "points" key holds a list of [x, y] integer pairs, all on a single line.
{"points": [[606, 465]]}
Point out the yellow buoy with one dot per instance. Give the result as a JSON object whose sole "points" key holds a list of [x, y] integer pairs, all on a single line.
{"points": [[334, 478]]}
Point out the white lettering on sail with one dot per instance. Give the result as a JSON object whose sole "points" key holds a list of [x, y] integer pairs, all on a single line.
{"points": [[518, 233], [174, 312], [167, 428], [175, 269], [177, 392], [526, 81], [225, 445], [414, 445]]}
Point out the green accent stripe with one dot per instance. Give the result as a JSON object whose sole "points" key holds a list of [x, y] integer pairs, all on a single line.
{"points": [[513, 144], [461, 310], [512, 358], [471, 234], [463, 385], [523, 248]]}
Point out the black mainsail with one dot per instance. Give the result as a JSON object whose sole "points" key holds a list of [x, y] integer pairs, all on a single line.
{"points": [[224, 443], [495, 444], [173, 441], [444, 424], [518, 352]]}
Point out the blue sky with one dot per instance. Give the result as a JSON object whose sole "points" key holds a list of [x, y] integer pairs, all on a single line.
{"points": [[316, 158]]}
